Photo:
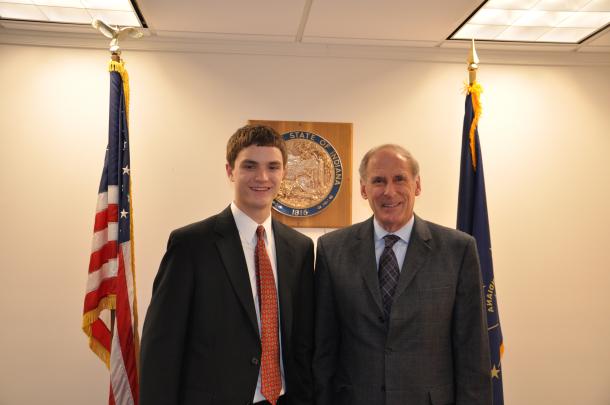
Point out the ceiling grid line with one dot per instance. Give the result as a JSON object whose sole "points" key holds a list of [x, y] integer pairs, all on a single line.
{"points": [[304, 19]]}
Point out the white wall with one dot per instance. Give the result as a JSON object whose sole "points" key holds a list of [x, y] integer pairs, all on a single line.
{"points": [[545, 135]]}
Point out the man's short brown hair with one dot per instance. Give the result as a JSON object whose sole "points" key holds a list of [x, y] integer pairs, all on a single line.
{"points": [[258, 135]]}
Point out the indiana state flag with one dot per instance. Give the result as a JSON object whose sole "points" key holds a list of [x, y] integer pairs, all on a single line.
{"points": [[472, 218]]}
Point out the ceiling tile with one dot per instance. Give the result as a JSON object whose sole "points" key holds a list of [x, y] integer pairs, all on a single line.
{"points": [[586, 20], [119, 5], [21, 12], [59, 3], [66, 14], [432, 20], [597, 5], [122, 18], [560, 5], [565, 35], [496, 17], [536, 18], [522, 33], [510, 4], [262, 17]]}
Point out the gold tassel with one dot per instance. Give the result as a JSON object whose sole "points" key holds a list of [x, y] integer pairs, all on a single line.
{"points": [[120, 68], [475, 90], [109, 303]]}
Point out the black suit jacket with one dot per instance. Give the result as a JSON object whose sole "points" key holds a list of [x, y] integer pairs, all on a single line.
{"points": [[200, 343], [434, 348]]}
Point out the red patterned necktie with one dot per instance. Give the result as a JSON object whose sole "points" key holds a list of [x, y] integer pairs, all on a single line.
{"points": [[271, 380]]}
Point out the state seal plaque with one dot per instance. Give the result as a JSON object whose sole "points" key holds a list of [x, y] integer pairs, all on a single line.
{"points": [[314, 174], [316, 191]]}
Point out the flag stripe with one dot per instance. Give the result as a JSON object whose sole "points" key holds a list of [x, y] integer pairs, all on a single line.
{"points": [[105, 216], [101, 237], [108, 270], [102, 256], [130, 283], [106, 287], [125, 336], [101, 333], [109, 195]]}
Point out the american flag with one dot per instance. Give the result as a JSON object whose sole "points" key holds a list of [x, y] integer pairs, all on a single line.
{"points": [[110, 317]]}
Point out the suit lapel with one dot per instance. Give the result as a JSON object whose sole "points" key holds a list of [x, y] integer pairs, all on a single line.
{"points": [[417, 255], [285, 262], [232, 255], [364, 248]]}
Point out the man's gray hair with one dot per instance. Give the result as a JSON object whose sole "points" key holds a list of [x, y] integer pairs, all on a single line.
{"points": [[396, 148]]}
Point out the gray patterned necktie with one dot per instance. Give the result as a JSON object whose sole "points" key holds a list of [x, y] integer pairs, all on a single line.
{"points": [[388, 273]]}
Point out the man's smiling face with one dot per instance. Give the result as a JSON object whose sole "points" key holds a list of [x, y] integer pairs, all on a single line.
{"points": [[390, 186], [257, 173]]}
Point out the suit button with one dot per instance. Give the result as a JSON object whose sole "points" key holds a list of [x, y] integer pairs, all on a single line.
{"points": [[381, 319], [254, 361], [383, 388], [388, 350]]}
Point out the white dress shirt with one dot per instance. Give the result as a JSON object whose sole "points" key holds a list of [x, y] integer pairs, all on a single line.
{"points": [[400, 247], [246, 227]]}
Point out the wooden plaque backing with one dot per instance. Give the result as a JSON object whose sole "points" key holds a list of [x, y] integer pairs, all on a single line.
{"points": [[338, 213]]}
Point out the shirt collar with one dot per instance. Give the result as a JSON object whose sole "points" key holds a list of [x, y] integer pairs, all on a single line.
{"points": [[403, 233], [247, 226]]}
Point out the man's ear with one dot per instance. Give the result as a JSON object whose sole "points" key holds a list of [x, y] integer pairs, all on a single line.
{"points": [[229, 170], [363, 190], [418, 185]]}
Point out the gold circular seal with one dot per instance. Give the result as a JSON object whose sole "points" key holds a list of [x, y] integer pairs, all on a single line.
{"points": [[313, 175]]}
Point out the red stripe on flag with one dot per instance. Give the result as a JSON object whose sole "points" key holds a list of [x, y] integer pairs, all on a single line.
{"points": [[111, 397], [101, 257], [92, 299], [125, 328], [102, 218], [101, 333]]}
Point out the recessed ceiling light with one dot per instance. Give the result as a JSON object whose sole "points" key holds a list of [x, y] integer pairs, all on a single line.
{"points": [[558, 21], [114, 12]]}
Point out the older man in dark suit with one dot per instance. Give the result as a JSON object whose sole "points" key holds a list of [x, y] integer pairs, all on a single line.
{"points": [[231, 316], [399, 310]]}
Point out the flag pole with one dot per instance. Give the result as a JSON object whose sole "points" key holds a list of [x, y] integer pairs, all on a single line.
{"points": [[473, 218], [115, 33], [473, 63], [111, 283]]}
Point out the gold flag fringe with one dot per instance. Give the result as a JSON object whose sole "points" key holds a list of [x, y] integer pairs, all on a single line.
{"points": [[109, 303], [120, 68], [475, 90]]}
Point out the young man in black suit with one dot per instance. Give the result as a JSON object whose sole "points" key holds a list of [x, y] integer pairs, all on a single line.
{"points": [[231, 316]]}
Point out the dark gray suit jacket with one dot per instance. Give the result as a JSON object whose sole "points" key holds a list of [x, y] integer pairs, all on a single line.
{"points": [[434, 349], [200, 343]]}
